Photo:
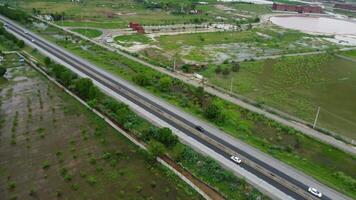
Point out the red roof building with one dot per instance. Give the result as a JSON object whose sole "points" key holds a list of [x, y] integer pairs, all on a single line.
{"points": [[137, 27], [297, 8]]}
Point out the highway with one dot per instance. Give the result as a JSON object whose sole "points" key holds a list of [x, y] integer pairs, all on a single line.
{"points": [[290, 186]]}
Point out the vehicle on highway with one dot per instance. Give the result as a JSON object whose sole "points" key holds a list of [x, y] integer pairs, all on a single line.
{"points": [[199, 128], [26, 32], [236, 159], [33, 40], [315, 192]]}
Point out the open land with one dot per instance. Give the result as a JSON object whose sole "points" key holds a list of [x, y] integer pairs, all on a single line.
{"points": [[298, 85]]}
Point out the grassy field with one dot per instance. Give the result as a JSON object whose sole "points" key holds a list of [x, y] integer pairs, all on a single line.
{"points": [[106, 13], [316, 159], [90, 33], [51, 147], [129, 40], [252, 9], [215, 47], [298, 85], [351, 54]]}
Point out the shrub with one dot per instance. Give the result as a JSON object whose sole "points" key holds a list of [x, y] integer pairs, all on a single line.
{"points": [[92, 180], [156, 148], [226, 71], [45, 164], [218, 70], [2, 71]]}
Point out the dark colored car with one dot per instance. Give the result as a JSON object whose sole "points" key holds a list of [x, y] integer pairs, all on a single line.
{"points": [[199, 128]]}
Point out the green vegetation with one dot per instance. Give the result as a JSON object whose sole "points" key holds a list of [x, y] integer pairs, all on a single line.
{"points": [[254, 9], [351, 54], [119, 167], [316, 159], [290, 2], [160, 141], [9, 40], [90, 33], [126, 40], [2, 71], [298, 85]]}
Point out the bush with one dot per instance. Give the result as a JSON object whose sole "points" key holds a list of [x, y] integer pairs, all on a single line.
{"points": [[214, 112], [165, 83], [2, 71], [218, 70], [235, 67], [226, 71], [156, 148], [92, 180]]}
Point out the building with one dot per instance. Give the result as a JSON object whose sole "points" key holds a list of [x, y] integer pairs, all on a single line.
{"points": [[297, 8], [137, 27], [345, 6]]}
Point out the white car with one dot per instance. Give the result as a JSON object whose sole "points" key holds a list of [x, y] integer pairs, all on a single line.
{"points": [[33, 40], [315, 192], [26, 32], [236, 159]]}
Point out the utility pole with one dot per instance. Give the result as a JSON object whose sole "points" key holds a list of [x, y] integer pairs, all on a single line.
{"points": [[174, 64], [316, 117], [231, 84]]}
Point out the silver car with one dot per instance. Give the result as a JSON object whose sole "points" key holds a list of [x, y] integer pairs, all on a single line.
{"points": [[315, 192], [236, 159]]}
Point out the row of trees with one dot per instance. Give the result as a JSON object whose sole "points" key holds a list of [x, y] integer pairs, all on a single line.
{"points": [[234, 66], [179, 7], [10, 40], [158, 139], [14, 14]]}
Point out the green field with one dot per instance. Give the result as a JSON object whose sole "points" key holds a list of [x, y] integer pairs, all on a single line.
{"points": [[351, 54], [298, 85], [90, 33], [106, 13], [240, 45], [310, 156], [128, 40], [53, 147]]}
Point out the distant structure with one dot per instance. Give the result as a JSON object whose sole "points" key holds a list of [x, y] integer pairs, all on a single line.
{"points": [[345, 6], [297, 8], [137, 27]]}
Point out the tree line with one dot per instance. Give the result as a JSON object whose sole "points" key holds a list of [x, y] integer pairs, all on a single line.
{"points": [[158, 139]]}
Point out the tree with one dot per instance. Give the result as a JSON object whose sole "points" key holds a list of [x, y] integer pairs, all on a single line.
{"points": [[82, 87], [94, 93], [141, 80], [165, 83], [21, 44], [218, 69], [186, 68], [214, 112], [200, 94], [235, 67], [226, 71], [47, 61], [66, 77], [166, 137], [2, 71], [156, 148]]}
